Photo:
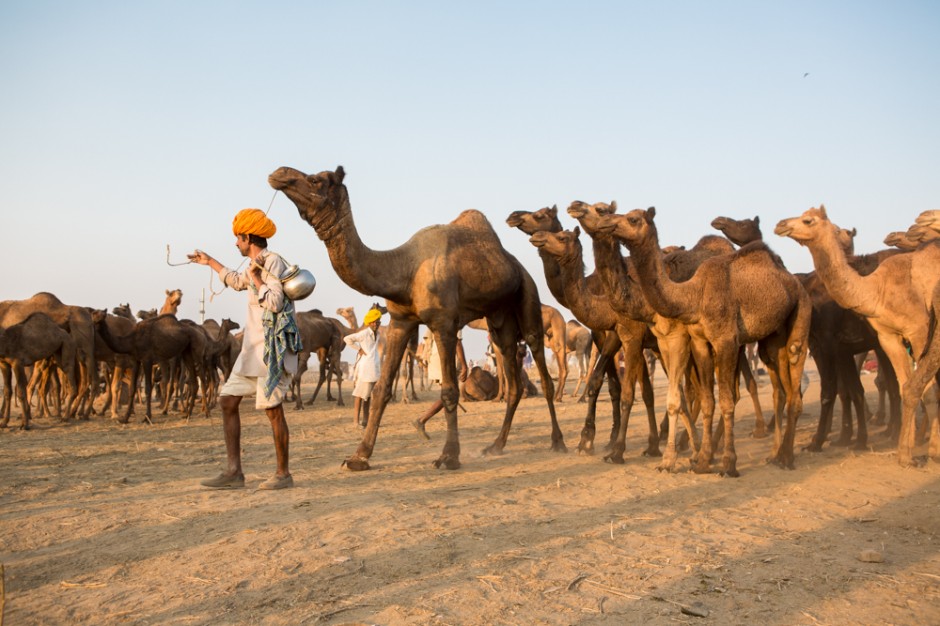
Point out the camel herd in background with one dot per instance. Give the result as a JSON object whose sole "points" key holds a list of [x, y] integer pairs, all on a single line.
{"points": [[696, 309]]}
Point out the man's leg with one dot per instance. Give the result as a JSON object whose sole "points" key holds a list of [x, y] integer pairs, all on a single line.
{"points": [[231, 429], [282, 478], [357, 407], [365, 413], [419, 423]]}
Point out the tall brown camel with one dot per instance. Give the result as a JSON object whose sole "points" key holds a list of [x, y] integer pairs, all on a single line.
{"points": [[627, 299], [896, 299], [589, 303], [565, 249], [157, 340], [172, 302], [77, 321], [27, 342], [731, 300], [833, 351], [580, 344], [444, 276], [321, 336]]}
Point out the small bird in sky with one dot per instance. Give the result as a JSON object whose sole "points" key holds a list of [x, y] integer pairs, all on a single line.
{"points": [[805, 74]]}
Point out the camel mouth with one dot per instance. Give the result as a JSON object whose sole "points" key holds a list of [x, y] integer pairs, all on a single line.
{"points": [[783, 229], [514, 219], [538, 240], [282, 177]]}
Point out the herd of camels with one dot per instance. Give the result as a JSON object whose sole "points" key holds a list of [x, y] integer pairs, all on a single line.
{"points": [[696, 309]]}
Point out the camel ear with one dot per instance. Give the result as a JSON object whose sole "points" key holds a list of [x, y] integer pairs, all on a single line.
{"points": [[757, 220], [554, 210], [577, 231], [613, 206], [167, 292], [650, 213], [339, 175], [822, 209], [853, 232]]}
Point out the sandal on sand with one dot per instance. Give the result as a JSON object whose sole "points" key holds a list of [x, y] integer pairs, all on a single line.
{"points": [[420, 428], [278, 482], [225, 481]]}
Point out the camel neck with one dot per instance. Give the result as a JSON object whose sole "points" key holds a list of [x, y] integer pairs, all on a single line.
{"points": [[847, 287], [667, 298], [625, 296]]}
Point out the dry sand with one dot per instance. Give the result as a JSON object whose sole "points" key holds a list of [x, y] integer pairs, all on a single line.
{"points": [[105, 524]]}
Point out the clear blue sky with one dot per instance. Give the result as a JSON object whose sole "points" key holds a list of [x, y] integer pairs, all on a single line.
{"points": [[127, 126]]}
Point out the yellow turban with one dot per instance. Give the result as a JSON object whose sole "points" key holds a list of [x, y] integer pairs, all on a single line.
{"points": [[371, 316], [253, 222]]}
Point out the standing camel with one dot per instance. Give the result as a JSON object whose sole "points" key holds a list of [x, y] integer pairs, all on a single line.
{"points": [[36, 338], [444, 277], [731, 300], [580, 344], [896, 299]]}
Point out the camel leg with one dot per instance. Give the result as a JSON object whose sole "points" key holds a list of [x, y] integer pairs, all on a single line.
{"points": [[504, 338], [760, 426], [633, 355], [649, 401], [675, 350], [609, 345], [7, 374], [896, 352], [726, 364], [538, 353], [562, 357], [395, 344], [705, 366], [828, 382]]}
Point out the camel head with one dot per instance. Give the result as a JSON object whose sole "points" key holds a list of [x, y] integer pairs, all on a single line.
{"points": [[930, 219], [900, 240], [631, 228], [530, 222], [146, 315], [174, 297], [806, 228], [321, 199], [589, 215], [123, 310], [563, 246], [739, 232], [922, 233], [846, 239], [98, 316]]}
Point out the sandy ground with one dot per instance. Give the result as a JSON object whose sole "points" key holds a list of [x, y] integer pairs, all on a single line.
{"points": [[104, 523]]}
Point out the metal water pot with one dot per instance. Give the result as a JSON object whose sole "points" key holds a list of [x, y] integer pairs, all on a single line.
{"points": [[298, 283]]}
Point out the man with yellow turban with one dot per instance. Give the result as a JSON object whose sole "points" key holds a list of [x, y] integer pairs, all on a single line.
{"points": [[368, 365], [270, 345]]}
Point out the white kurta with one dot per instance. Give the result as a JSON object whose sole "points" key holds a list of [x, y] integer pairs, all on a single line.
{"points": [[250, 361], [368, 366]]}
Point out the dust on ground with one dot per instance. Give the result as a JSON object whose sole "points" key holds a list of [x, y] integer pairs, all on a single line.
{"points": [[106, 523]]}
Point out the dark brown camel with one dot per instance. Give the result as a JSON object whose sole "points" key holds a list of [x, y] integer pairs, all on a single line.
{"points": [[156, 340], [731, 300], [77, 321], [322, 336], [444, 276], [27, 342], [896, 299], [586, 298]]}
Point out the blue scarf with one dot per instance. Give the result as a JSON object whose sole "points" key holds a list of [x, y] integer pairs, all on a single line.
{"points": [[280, 336]]}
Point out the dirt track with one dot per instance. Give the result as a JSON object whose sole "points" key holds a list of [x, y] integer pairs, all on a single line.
{"points": [[104, 523]]}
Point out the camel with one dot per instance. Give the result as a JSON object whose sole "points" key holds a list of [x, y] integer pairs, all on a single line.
{"points": [[172, 302], [22, 344], [896, 299], [480, 385], [156, 340], [902, 240], [444, 276], [731, 300], [77, 321], [586, 298], [146, 314], [565, 249], [739, 231], [120, 366], [217, 347], [321, 336], [580, 344]]}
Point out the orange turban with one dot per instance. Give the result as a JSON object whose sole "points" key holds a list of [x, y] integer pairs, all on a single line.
{"points": [[253, 222]]}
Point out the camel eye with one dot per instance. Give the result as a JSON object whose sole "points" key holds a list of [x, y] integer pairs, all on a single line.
{"points": [[808, 221]]}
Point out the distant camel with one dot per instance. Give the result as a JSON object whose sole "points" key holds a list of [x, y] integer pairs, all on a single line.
{"points": [[172, 302]]}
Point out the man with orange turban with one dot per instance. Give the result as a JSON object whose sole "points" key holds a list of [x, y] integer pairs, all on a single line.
{"points": [[270, 345]]}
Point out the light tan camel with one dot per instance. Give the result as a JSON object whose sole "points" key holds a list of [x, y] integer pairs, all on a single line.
{"points": [[444, 276], [896, 299], [77, 321], [586, 298], [902, 240], [580, 344], [731, 300], [27, 342], [556, 340], [172, 302]]}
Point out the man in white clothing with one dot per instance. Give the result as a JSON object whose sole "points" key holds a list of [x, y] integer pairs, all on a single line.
{"points": [[368, 365], [270, 345]]}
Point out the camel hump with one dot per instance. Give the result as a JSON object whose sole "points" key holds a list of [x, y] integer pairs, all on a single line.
{"points": [[471, 218], [713, 243], [759, 247]]}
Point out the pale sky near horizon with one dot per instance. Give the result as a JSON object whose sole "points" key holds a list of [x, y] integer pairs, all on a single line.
{"points": [[130, 126]]}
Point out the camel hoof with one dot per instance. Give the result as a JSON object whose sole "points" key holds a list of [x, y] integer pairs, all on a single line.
{"points": [[915, 461], [782, 463], [733, 473], [652, 452], [842, 442], [700, 467], [356, 464], [813, 447], [448, 462], [586, 449], [614, 457], [559, 446], [493, 449], [759, 433]]}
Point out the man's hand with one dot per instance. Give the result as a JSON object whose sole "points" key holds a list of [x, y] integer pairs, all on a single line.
{"points": [[199, 257]]}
